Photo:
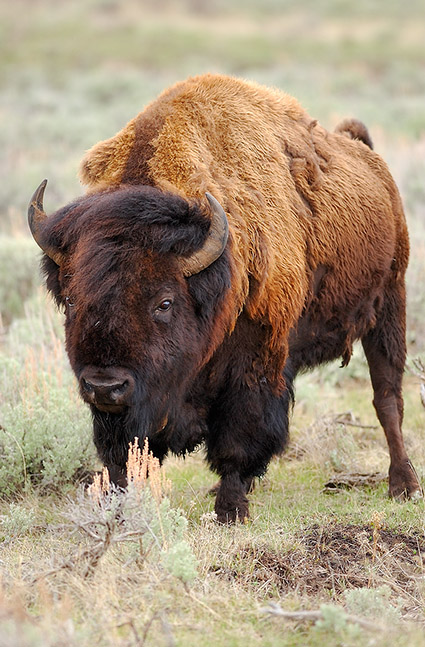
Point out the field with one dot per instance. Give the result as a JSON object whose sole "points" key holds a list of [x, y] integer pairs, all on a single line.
{"points": [[326, 557]]}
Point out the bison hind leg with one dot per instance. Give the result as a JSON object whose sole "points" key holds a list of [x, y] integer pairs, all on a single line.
{"points": [[385, 351]]}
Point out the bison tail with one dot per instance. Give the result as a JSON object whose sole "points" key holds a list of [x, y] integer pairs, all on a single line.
{"points": [[355, 129]]}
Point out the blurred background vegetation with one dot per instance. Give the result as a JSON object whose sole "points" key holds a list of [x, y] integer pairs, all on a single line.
{"points": [[73, 72]]}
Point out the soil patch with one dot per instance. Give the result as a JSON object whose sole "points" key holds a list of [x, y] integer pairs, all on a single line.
{"points": [[328, 560]]}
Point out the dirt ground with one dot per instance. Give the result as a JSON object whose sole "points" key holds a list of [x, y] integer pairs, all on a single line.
{"points": [[328, 561]]}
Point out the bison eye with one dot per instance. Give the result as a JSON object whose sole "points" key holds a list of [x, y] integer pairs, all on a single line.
{"points": [[164, 305], [163, 310], [69, 306]]}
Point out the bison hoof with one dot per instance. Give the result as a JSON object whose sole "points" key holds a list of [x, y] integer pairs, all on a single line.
{"points": [[230, 512], [229, 517], [231, 504], [406, 495], [404, 483]]}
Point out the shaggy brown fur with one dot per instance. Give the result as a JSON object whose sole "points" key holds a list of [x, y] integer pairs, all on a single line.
{"points": [[294, 193], [316, 258]]}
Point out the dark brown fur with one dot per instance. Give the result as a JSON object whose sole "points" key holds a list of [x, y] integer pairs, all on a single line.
{"points": [[316, 259]]}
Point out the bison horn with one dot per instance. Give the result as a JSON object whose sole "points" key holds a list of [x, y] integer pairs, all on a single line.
{"points": [[36, 218], [214, 244]]}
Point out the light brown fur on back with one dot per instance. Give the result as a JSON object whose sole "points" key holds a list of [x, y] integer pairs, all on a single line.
{"points": [[297, 196]]}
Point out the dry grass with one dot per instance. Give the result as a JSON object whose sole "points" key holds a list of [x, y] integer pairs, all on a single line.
{"points": [[67, 583], [112, 541]]}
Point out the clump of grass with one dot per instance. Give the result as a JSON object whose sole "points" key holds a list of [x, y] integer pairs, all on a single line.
{"points": [[129, 543]]}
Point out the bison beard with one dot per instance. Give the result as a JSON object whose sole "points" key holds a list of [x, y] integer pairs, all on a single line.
{"points": [[183, 333], [179, 430]]}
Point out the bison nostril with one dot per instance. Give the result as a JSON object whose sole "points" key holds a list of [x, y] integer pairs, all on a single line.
{"points": [[118, 390], [87, 386]]}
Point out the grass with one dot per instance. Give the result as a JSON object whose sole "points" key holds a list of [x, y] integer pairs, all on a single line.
{"points": [[301, 549], [74, 73]]}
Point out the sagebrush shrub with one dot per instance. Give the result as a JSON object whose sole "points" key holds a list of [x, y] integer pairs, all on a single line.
{"points": [[19, 275], [18, 521], [139, 518], [375, 603], [45, 430]]}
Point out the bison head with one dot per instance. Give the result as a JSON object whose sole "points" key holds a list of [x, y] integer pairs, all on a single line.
{"points": [[141, 276]]}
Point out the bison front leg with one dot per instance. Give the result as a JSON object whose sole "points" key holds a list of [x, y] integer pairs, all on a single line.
{"points": [[117, 476], [231, 503], [385, 351], [247, 426]]}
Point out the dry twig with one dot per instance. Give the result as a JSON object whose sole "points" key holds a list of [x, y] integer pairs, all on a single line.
{"points": [[348, 420], [313, 616]]}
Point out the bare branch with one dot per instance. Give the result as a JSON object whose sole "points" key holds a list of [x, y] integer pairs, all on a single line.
{"points": [[314, 616], [348, 420]]}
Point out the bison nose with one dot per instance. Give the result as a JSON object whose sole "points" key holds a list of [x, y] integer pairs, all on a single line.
{"points": [[107, 389]]}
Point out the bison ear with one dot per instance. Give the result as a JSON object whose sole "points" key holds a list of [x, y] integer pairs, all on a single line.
{"points": [[215, 242]]}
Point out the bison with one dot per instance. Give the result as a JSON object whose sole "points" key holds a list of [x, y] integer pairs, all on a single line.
{"points": [[226, 242]]}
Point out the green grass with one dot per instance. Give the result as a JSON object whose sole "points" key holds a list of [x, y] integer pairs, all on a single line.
{"points": [[72, 74]]}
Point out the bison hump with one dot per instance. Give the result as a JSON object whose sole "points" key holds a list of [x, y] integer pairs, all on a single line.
{"points": [[104, 164]]}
